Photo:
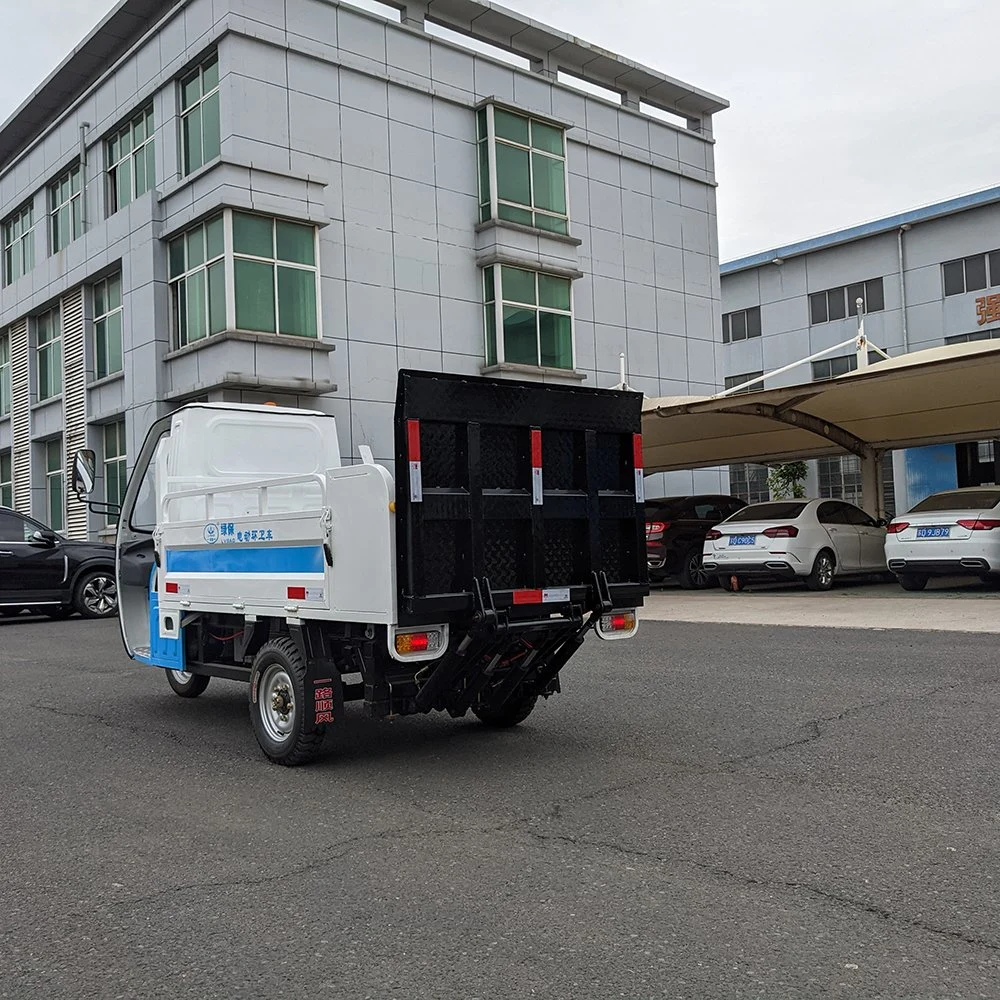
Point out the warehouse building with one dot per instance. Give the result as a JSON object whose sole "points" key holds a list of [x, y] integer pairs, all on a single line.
{"points": [[249, 201], [926, 278]]}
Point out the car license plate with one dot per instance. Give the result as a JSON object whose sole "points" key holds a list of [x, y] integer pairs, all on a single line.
{"points": [[934, 532], [742, 539]]}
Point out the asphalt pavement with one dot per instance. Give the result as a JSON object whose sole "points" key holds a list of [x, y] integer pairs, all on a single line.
{"points": [[719, 811]]}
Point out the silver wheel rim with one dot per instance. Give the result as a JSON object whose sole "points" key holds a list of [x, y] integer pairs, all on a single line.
{"points": [[100, 595], [276, 702], [182, 676], [825, 574], [696, 571]]}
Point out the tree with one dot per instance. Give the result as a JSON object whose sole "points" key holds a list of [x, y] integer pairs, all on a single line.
{"points": [[786, 481]]}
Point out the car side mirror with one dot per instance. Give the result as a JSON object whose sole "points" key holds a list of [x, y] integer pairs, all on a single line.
{"points": [[45, 539], [84, 472]]}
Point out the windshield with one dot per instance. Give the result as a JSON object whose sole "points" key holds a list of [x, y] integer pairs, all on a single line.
{"points": [[782, 510], [664, 508], [959, 500]]}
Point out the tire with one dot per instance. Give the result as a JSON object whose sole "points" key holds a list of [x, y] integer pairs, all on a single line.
{"points": [[692, 575], [725, 581], [512, 713], [824, 567], [58, 614], [278, 705], [96, 594], [912, 581], [186, 685]]}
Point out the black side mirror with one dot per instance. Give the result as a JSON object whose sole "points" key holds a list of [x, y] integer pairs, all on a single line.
{"points": [[44, 539]]}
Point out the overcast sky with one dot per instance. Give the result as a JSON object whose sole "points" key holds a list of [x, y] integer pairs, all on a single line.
{"points": [[842, 110]]}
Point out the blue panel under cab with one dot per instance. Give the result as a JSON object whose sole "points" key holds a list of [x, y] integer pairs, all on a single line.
{"points": [[167, 653], [248, 559]]}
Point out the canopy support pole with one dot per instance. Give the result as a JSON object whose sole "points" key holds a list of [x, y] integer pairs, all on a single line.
{"points": [[872, 485]]}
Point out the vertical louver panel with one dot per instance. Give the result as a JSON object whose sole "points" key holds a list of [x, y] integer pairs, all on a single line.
{"points": [[20, 391], [74, 406]]}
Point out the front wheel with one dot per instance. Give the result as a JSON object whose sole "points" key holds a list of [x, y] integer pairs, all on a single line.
{"points": [[96, 594], [186, 685], [511, 713], [279, 710], [821, 577], [912, 581], [693, 575]]}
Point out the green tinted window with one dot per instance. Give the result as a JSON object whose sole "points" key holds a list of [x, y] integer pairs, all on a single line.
{"points": [[253, 235], [255, 296]]}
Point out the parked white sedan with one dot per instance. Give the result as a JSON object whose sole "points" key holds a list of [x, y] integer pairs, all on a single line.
{"points": [[814, 540], [955, 533]]}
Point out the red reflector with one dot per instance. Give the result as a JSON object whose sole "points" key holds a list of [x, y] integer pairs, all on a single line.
{"points": [[527, 597], [785, 531], [296, 593], [980, 524], [637, 450], [897, 526], [713, 535], [172, 588], [413, 440], [536, 448]]}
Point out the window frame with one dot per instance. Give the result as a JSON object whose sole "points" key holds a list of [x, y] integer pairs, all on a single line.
{"points": [[184, 112], [52, 475], [991, 270], [493, 274], [845, 301], [489, 207], [43, 349], [144, 116], [116, 465], [747, 313], [105, 318], [7, 478], [20, 240], [5, 374], [68, 176], [731, 381]]}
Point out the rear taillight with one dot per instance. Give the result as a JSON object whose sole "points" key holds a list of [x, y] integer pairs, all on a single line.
{"points": [[418, 642], [656, 527], [981, 524], [622, 621], [713, 535], [784, 531], [896, 527]]}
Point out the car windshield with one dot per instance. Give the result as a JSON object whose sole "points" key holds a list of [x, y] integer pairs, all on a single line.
{"points": [[781, 510], [657, 510], [958, 500]]}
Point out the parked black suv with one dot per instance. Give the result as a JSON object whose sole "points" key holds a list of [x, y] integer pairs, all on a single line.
{"points": [[43, 572], [675, 536]]}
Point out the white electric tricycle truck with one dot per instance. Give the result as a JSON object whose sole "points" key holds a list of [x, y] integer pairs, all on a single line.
{"points": [[512, 525]]}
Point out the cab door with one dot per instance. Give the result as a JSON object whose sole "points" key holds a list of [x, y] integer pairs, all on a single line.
{"points": [[134, 551], [31, 569]]}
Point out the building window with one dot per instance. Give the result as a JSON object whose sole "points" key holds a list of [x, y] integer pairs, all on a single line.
{"points": [[830, 368], [6, 480], [961, 338], [529, 318], [275, 275], [18, 244], [108, 326], [4, 374], [54, 492], [838, 303], [115, 469], [198, 282], [65, 209], [522, 170], [734, 380], [969, 274], [200, 115], [131, 161], [741, 325], [749, 482], [48, 337]]}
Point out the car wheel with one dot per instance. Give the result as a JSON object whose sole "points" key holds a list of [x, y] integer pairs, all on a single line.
{"points": [[186, 685], [821, 577], [693, 575], [912, 581], [96, 594]]}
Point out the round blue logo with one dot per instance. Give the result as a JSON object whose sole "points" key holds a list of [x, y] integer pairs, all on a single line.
{"points": [[211, 533]]}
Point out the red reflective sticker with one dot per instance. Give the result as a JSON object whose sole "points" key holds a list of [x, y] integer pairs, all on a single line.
{"points": [[172, 588], [413, 440], [528, 597], [637, 450], [536, 448], [296, 593]]}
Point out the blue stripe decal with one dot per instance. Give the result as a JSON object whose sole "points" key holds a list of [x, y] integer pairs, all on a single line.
{"points": [[247, 559]]}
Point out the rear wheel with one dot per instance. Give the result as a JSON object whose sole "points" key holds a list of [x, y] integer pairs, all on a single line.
{"points": [[821, 577], [693, 575], [511, 713], [186, 685], [912, 581], [96, 595], [278, 705]]}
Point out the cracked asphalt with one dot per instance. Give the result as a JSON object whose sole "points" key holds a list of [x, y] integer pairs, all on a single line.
{"points": [[716, 811]]}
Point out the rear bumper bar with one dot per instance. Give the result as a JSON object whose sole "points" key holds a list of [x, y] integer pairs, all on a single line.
{"points": [[942, 567], [773, 569]]}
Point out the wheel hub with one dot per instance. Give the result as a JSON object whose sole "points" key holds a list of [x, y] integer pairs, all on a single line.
{"points": [[277, 703], [281, 701]]}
